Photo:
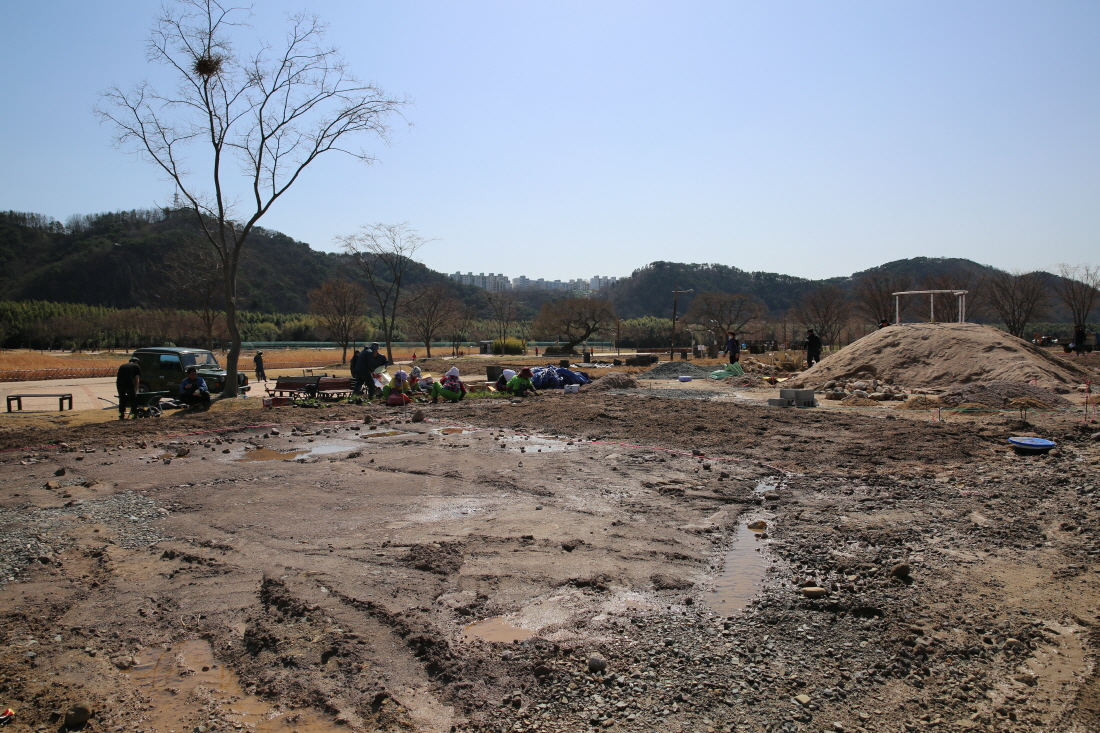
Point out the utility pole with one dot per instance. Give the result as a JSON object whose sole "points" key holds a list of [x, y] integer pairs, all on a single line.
{"points": [[672, 344]]}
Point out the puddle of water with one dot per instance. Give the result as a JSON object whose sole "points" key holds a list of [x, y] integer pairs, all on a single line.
{"points": [[266, 454], [179, 679], [742, 576], [453, 431], [765, 486], [498, 630]]}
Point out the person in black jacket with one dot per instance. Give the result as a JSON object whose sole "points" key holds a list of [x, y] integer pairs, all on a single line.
{"points": [[126, 382], [1079, 339], [733, 347], [258, 360], [813, 348]]}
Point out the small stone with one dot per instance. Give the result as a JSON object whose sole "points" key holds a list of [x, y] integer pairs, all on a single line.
{"points": [[53, 484], [758, 525], [901, 571], [838, 727], [182, 452], [1014, 645], [814, 592], [802, 700], [596, 663], [79, 714], [59, 472], [418, 416]]}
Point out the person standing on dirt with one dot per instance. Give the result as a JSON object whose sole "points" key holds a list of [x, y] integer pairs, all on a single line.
{"points": [[376, 362], [813, 348], [258, 360], [126, 382], [193, 390], [1079, 339], [360, 371], [733, 348]]}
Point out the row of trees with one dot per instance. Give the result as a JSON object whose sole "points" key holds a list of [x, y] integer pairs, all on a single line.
{"points": [[1011, 299]]}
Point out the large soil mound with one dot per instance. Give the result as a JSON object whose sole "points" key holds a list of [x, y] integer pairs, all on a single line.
{"points": [[926, 355]]}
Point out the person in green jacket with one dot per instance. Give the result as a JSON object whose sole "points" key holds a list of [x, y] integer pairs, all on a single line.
{"points": [[521, 384], [450, 387]]}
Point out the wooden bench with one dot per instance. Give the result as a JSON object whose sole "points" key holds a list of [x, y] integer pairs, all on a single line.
{"points": [[294, 387], [61, 400], [334, 387]]}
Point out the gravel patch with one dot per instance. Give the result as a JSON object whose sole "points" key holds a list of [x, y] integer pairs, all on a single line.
{"points": [[34, 534], [674, 369], [1000, 393]]}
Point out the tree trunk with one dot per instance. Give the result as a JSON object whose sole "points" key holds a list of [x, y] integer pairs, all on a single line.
{"points": [[234, 353]]}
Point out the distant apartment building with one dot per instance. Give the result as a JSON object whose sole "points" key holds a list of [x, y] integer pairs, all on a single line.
{"points": [[499, 283], [492, 283]]}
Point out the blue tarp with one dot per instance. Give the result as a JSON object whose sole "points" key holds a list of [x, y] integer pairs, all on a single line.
{"points": [[552, 377]]}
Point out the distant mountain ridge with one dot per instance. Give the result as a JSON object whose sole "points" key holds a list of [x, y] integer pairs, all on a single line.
{"points": [[111, 259]]}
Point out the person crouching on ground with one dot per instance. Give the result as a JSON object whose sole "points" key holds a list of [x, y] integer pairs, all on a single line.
{"points": [[503, 379], [450, 387], [414, 379], [397, 391], [521, 384], [193, 390]]}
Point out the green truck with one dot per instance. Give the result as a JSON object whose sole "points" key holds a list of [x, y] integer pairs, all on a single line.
{"points": [[164, 367]]}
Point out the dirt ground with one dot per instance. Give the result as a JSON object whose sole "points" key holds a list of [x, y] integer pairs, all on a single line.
{"points": [[565, 563]]}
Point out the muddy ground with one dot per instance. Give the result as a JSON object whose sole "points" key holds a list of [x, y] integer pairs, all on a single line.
{"points": [[152, 574]]}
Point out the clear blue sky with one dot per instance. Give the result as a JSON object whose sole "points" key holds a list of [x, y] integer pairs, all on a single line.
{"points": [[566, 139]]}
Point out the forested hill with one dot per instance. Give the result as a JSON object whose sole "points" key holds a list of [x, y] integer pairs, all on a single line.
{"points": [[119, 260], [648, 290]]}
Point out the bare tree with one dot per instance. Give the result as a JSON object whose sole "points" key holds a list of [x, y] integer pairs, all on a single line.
{"points": [[384, 252], [268, 115], [1078, 288], [341, 307], [826, 310], [429, 311], [873, 296], [1017, 297], [505, 309], [459, 328], [574, 318], [720, 313], [968, 280]]}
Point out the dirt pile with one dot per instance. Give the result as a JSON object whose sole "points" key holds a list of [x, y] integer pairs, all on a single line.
{"points": [[614, 380], [937, 354], [1001, 394], [920, 402]]}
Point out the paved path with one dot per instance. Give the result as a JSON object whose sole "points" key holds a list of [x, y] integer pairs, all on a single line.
{"points": [[86, 393]]}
